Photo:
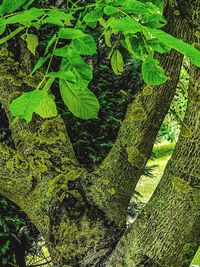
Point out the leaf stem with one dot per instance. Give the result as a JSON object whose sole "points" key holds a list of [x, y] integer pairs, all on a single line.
{"points": [[49, 65]]}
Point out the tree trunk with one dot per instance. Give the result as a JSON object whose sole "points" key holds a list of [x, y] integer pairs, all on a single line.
{"points": [[125, 163], [167, 232]]}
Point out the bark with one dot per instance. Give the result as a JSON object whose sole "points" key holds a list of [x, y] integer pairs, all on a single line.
{"points": [[42, 176], [167, 232], [81, 215], [125, 163]]}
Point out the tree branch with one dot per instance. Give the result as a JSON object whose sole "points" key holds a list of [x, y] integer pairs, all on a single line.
{"points": [[125, 163], [14, 183], [170, 220], [27, 137]]}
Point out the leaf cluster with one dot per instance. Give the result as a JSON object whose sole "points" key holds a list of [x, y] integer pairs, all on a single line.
{"points": [[133, 26]]}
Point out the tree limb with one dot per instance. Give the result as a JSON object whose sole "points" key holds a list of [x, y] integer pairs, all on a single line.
{"points": [[125, 163], [13, 180]]}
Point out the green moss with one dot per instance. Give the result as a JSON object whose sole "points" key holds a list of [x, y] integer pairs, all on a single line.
{"points": [[181, 185], [9, 68], [12, 71], [147, 90], [105, 182], [135, 157], [33, 81], [75, 238], [112, 191], [185, 131], [137, 112]]}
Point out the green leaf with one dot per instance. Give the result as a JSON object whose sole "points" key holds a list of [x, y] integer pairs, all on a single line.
{"points": [[60, 14], [47, 107], [107, 36], [53, 20], [8, 6], [2, 25], [153, 20], [11, 35], [32, 42], [83, 104], [109, 10], [152, 72], [66, 75], [28, 3], [27, 17], [74, 62], [69, 33], [50, 43], [135, 7], [126, 25], [117, 62], [40, 63], [58, 17], [24, 105], [177, 44], [135, 45], [85, 45], [158, 46], [48, 84], [94, 15]]}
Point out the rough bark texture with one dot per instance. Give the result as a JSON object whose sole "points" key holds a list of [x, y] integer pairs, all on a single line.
{"points": [[126, 160], [167, 232], [81, 215]]}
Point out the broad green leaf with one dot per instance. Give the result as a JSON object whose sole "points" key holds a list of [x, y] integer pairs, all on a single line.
{"points": [[153, 20], [53, 20], [107, 36], [47, 107], [24, 105], [40, 63], [62, 51], [11, 35], [69, 33], [135, 7], [60, 15], [74, 62], [8, 6], [152, 72], [66, 75], [135, 45], [158, 46], [177, 44], [117, 62], [27, 17], [126, 25], [109, 10], [85, 45], [2, 25], [32, 42], [94, 15], [83, 104]]}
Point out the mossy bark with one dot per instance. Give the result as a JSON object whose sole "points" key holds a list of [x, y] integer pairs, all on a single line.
{"points": [[167, 232], [81, 215], [125, 163]]}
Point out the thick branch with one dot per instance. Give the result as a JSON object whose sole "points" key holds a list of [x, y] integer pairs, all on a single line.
{"points": [[14, 183], [13, 81], [125, 163], [167, 232]]}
